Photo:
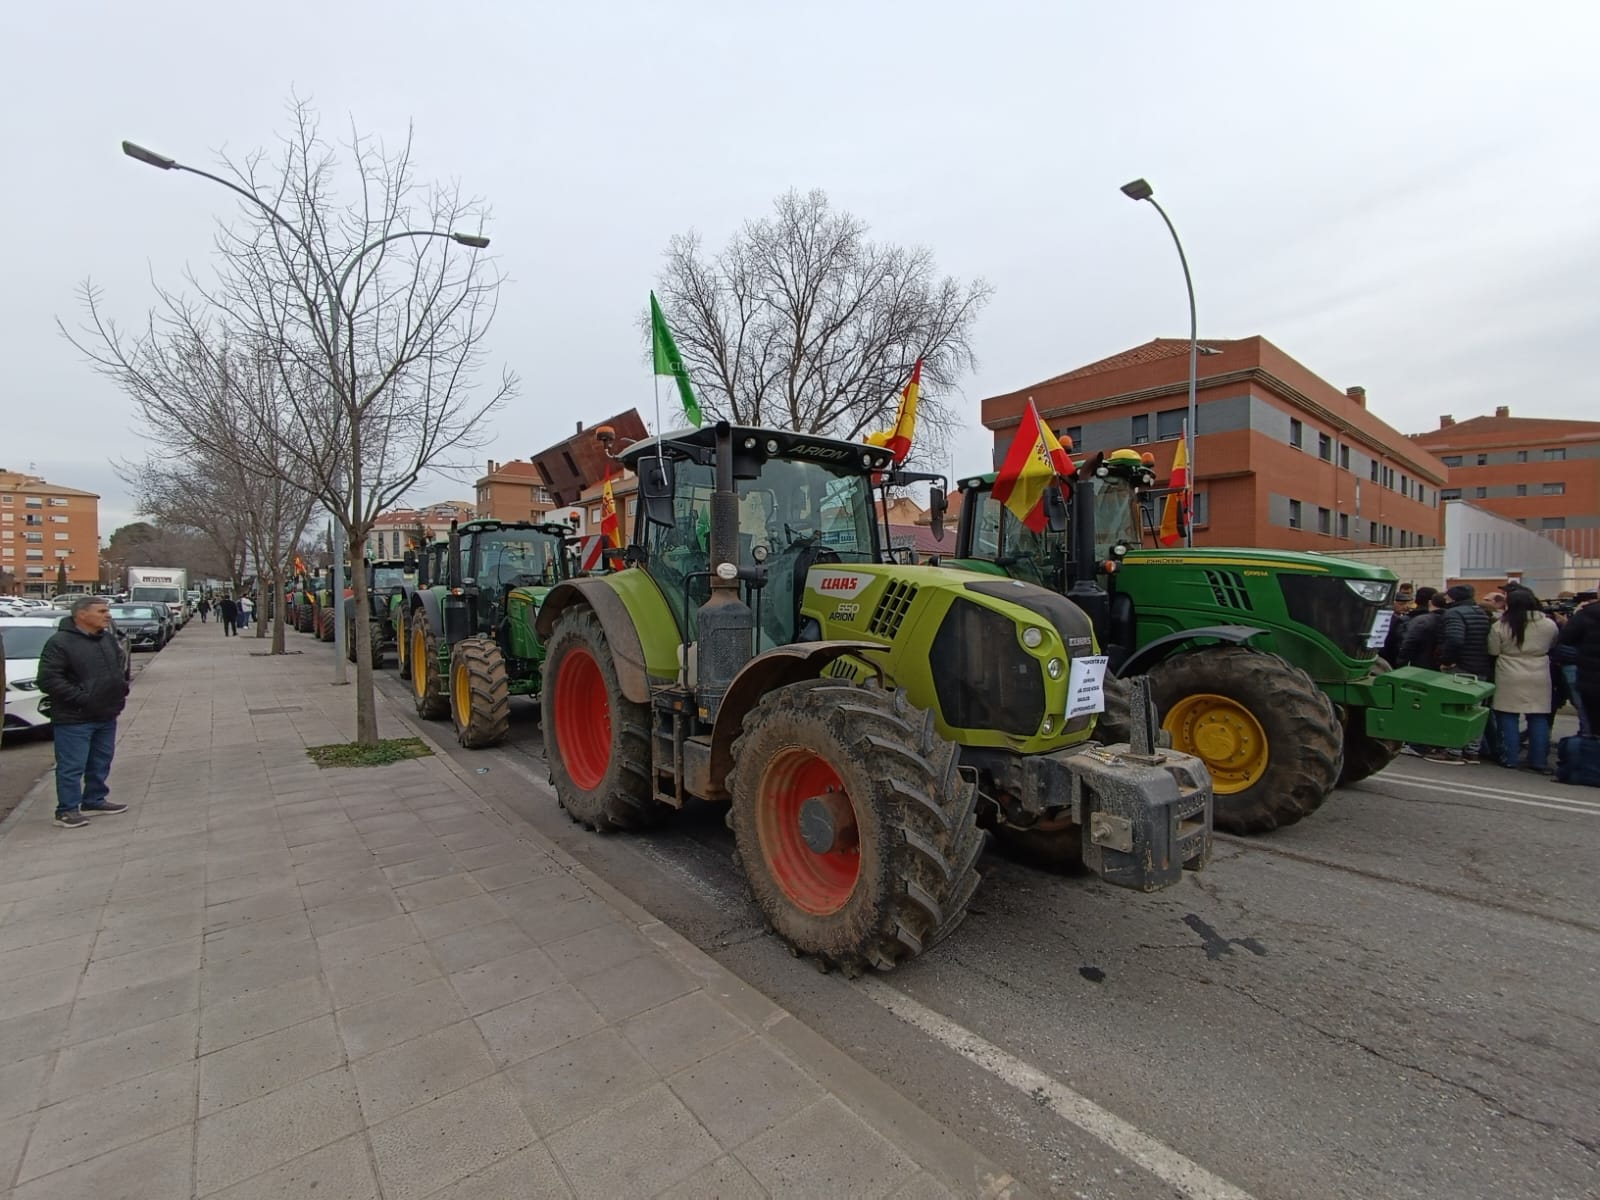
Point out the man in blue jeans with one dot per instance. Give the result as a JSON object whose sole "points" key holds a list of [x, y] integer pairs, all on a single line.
{"points": [[80, 670]]}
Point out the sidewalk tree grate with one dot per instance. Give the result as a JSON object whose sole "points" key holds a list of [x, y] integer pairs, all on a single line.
{"points": [[272, 712]]}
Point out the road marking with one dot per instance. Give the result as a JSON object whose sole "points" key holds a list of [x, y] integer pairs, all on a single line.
{"points": [[1188, 1177], [1490, 789], [1585, 808]]}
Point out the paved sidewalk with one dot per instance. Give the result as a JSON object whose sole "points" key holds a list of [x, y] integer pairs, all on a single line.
{"points": [[268, 980]]}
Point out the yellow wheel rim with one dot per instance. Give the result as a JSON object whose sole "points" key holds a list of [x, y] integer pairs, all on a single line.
{"points": [[1223, 734], [400, 639], [419, 660], [461, 687]]}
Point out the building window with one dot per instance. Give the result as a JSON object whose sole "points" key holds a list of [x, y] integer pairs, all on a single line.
{"points": [[1480, 493], [1294, 514], [542, 495], [34, 554], [61, 537], [1555, 489], [1522, 489], [1373, 532], [1324, 520], [1200, 508], [1557, 455], [32, 502], [8, 500], [34, 537], [1075, 435], [1450, 493], [1169, 424], [1405, 486], [1452, 460], [1141, 430], [1324, 447], [62, 553], [58, 520], [1483, 460], [1553, 523], [1344, 456], [1344, 525], [58, 501], [1374, 470], [35, 572], [1297, 433], [1388, 478], [1522, 456]]}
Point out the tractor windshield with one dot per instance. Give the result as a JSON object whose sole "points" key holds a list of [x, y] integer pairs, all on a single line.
{"points": [[388, 578], [1118, 517], [517, 558], [1000, 538], [794, 514]]}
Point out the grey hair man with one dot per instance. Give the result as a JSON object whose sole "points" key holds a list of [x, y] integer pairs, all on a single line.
{"points": [[80, 670]]}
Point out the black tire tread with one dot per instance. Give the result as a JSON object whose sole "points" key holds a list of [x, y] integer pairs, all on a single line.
{"points": [[490, 718], [432, 704], [402, 663]]}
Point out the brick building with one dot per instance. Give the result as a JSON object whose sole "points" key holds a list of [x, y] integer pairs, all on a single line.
{"points": [[1543, 474], [395, 531], [43, 525], [513, 491], [1286, 460]]}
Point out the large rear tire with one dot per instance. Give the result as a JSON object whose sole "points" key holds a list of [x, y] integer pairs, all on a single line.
{"points": [[375, 641], [328, 628], [304, 618], [402, 658], [427, 684], [857, 831], [1269, 736], [596, 741], [480, 692]]}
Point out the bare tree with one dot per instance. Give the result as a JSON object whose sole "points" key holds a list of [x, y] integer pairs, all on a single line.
{"points": [[371, 311], [802, 322]]}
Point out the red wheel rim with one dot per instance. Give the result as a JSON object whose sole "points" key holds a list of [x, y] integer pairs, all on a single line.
{"points": [[819, 883], [583, 718]]}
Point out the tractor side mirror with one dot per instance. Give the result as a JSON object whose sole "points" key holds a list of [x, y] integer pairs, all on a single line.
{"points": [[655, 487], [1055, 510], [938, 505]]}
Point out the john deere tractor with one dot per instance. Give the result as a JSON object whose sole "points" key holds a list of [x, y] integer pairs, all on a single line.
{"points": [[386, 582], [863, 719], [1264, 663], [471, 639]]}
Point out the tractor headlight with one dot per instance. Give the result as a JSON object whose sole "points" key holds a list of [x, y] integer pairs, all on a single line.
{"points": [[1053, 668], [1374, 591], [1033, 637], [1048, 727]]}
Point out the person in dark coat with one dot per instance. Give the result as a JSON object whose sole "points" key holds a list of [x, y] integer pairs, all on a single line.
{"points": [[80, 670], [1419, 647], [1464, 649], [204, 608], [1582, 636], [228, 611]]}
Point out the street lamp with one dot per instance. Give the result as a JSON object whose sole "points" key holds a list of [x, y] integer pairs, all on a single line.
{"points": [[1141, 190], [335, 294]]}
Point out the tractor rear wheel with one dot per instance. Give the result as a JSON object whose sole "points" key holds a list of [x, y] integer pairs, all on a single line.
{"points": [[857, 831], [1364, 754], [480, 693], [302, 618], [1269, 736], [402, 649], [596, 740], [375, 640], [427, 683], [328, 628]]}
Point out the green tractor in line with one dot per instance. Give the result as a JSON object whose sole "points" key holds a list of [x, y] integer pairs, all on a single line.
{"points": [[386, 582], [470, 627], [865, 720], [1263, 663]]}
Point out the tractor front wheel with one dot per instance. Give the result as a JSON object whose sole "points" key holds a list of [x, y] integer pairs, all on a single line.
{"points": [[326, 632], [857, 831], [1269, 736], [427, 683], [375, 640], [596, 740], [402, 648], [480, 693]]}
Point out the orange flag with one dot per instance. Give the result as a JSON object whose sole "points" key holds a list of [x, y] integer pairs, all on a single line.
{"points": [[1175, 517]]}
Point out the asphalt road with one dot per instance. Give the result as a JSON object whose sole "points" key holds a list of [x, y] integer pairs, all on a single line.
{"points": [[1398, 997]]}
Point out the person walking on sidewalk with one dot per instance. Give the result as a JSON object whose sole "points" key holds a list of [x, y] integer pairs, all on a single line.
{"points": [[204, 609], [1464, 649], [80, 670], [1520, 643], [228, 612], [246, 607]]}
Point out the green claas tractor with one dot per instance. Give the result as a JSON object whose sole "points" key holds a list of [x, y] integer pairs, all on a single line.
{"points": [[864, 720], [472, 644], [386, 581], [1264, 663]]}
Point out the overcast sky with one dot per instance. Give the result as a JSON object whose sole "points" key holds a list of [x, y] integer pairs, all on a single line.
{"points": [[1401, 195]]}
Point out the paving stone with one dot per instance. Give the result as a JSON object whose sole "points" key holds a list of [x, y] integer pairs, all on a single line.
{"points": [[445, 811], [17, 933], [665, 1145], [631, 987], [248, 1070], [149, 908], [498, 876], [456, 915], [345, 885], [255, 971], [46, 956], [256, 937], [596, 949], [188, 879], [507, 850], [43, 989], [527, 1027], [411, 852], [238, 886], [140, 966], [379, 1024], [485, 833], [275, 903], [33, 1033], [382, 974], [725, 1179], [683, 1031], [360, 910], [739, 1092], [90, 1125], [543, 893], [247, 1139], [342, 1171], [922, 1186], [529, 1174], [22, 1084], [361, 942], [560, 920], [578, 1078], [103, 1061], [131, 1007], [127, 936], [446, 1140], [13, 1138], [480, 944], [500, 981], [817, 1151], [225, 1022], [332, 864], [156, 1168], [440, 890], [413, 1073]]}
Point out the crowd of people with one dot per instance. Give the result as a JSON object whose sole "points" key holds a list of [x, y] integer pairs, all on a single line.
{"points": [[232, 614], [1540, 657]]}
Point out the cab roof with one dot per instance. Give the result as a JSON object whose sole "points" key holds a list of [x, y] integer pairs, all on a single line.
{"points": [[697, 445]]}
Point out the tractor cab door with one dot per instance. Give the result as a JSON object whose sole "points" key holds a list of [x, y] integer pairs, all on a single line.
{"points": [[997, 536]]}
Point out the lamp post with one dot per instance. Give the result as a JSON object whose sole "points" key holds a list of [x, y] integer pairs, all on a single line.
{"points": [[334, 291], [1140, 190]]}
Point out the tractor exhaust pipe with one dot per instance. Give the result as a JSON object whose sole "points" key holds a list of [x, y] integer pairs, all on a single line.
{"points": [[726, 624]]}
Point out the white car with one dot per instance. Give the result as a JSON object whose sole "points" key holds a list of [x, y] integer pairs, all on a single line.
{"points": [[24, 639]]}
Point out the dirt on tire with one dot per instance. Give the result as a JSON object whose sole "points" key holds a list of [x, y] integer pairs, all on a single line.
{"points": [[479, 662], [1304, 738], [621, 796], [402, 660], [327, 628], [427, 686], [915, 821]]}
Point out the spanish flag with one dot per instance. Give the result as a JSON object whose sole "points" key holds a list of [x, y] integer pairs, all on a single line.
{"points": [[1175, 517], [610, 527], [1035, 460], [299, 564], [898, 440]]}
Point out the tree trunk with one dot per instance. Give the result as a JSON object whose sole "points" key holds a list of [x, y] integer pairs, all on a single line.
{"points": [[366, 709], [277, 608]]}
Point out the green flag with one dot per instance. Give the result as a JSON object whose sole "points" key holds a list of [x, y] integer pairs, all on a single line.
{"points": [[669, 362]]}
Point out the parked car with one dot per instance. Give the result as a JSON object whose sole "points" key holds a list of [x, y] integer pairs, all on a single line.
{"points": [[147, 625], [24, 639]]}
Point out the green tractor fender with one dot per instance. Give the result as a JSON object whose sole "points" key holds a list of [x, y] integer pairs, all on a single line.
{"points": [[427, 602], [1149, 655], [638, 625]]}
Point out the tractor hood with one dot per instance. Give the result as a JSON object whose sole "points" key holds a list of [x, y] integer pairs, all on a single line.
{"points": [[1249, 558]]}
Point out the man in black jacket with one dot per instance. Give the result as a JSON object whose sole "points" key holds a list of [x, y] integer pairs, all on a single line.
{"points": [[1582, 635], [80, 670], [1464, 649]]}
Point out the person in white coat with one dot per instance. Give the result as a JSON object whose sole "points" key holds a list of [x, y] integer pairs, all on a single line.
{"points": [[1520, 642]]}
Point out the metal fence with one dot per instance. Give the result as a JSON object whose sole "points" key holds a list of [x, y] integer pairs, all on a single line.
{"points": [[1550, 561]]}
